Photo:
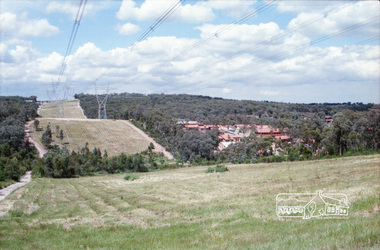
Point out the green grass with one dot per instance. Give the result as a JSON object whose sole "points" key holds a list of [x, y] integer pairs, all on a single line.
{"points": [[187, 208], [6, 183], [130, 177], [217, 169]]}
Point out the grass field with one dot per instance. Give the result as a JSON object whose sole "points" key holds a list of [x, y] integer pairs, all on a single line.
{"points": [[71, 108], [114, 136], [187, 208]]}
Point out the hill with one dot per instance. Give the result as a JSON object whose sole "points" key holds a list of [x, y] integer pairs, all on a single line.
{"points": [[114, 136], [187, 208], [71, 109], [320, 129]]}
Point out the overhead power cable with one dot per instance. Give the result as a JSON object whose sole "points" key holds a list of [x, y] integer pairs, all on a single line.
{"points": [[259, 45], [316, 41], [324, 54], [220, 31], [60, 105], [74, 31], [151, 28]]}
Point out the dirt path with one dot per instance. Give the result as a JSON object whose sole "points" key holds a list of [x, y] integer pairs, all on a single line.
{"points": [[8, 190], [157, 147], [81, 109], [41, 150]]}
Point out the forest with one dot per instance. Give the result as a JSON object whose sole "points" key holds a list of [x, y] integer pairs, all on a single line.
{"points": [[16, 154], [355, 128]]}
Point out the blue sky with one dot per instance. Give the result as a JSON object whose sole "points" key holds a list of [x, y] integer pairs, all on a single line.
{"points": [[294, 51]]}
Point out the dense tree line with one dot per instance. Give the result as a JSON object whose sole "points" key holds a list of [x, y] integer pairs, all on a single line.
{"points": [[16, 154], [355, 128], [60, 163]]}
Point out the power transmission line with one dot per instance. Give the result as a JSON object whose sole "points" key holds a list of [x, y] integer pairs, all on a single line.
{"points": [[259, 75], [220, 31], [73, 34], [102, 102], [246, 16], [316, 41], [60, 112], [329, 12], [151, 28]]}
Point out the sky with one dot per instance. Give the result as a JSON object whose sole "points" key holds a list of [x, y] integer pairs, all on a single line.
{"points": [[285, 51]]}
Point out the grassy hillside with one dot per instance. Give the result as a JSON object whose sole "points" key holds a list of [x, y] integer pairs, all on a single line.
{"points": [[114, 136], [71, 108], [187, 208]]}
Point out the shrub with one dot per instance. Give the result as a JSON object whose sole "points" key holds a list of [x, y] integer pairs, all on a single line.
{"points": [[218, 168], [130, 177]]}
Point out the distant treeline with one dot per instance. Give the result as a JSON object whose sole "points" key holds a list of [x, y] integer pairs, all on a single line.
{"points": [[16, 154], [356, 126], [210, 110]]}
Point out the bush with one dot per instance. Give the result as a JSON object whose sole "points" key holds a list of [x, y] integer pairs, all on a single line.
{"points": [[130, 177], [218, 168]]}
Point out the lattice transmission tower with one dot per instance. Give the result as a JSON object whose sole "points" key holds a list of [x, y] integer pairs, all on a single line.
{"points": [[102, 102]]}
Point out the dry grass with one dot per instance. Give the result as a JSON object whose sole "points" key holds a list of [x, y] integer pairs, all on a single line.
{"points": [[114, 136], [187, 208], [71, 108]]}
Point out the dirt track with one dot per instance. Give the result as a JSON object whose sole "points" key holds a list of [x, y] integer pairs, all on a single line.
{"points": [[41, 150]]}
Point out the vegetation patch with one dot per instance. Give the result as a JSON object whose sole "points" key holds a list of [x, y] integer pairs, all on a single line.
{"points": [[16, 154], [130, 177], [217, 169]]}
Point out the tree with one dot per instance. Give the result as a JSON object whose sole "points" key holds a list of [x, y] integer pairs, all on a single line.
{"points": [[61, 135], [47, 137], [36, 123], [57, 131], [341, 130]]}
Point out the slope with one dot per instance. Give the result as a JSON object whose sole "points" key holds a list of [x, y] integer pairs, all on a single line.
{"points": [[115, 136], [187, 208]]}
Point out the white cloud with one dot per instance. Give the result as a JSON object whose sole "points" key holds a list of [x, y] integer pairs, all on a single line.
{"points": [[5, 56], [248, 61], [337, 19], [23, 54], [63, 7], [68, 7], [306, 6], [50, 64], [151, 10], [128, 29], [13, 26], [226, 90], [234, 8], [242, 33]]}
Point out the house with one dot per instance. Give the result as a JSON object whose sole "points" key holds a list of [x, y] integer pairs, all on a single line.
{"points": [[181, 122], [276, 133], [224, 145], [201, 128], [329, 120], [192, 126], [229, 138], [283, 137], [322, 206]]}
